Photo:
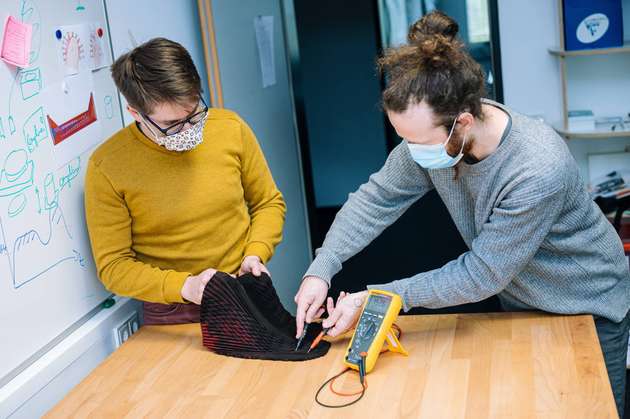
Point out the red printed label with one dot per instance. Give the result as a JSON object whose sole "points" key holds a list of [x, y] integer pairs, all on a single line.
{"points": [[73, 125]]}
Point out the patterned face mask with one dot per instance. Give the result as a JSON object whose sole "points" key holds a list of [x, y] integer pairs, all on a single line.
{"points": [[184, 140]]}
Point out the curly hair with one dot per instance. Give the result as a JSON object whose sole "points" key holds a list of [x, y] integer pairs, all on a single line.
{"points": [[433, 67]]}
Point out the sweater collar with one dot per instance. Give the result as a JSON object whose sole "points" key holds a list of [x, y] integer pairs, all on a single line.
{"points": [[504, 146]]}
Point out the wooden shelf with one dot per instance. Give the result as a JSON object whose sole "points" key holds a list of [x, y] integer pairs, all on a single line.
{"points": [[625, 49], [562, 53], [592, 134]]}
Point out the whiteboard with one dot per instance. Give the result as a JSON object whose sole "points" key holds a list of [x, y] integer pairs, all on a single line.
{"points": [[48, 279]]}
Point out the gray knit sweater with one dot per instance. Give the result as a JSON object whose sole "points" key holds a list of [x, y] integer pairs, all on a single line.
{"points": [[535, 237]]}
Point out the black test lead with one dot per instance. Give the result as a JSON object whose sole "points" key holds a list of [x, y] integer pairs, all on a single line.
{"points": [[299, 342]]}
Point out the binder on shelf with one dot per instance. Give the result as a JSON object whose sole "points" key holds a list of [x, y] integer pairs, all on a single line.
{"points": [[592, 24]]}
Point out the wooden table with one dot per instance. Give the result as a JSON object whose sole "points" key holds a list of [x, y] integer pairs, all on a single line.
{"points": [[470, 365]]}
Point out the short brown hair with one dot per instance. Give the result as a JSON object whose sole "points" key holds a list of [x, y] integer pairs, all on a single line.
{"points": [[158, 71], [435, 67]]}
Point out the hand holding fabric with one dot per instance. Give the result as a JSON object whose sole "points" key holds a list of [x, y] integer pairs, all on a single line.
{"points": [[194, 285]]}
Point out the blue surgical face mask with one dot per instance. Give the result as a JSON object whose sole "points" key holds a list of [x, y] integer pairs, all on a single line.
{"points": [[434, 156]]}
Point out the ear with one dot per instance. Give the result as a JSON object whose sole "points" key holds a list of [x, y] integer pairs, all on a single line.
{"points": [[466, 121], [134, 114]]}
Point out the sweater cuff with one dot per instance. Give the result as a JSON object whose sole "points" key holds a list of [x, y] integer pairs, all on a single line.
{"points": [[391, 287], [259, 249], [173, 284], [325, 266]]}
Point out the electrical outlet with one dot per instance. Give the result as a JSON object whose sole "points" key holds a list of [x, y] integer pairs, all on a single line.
{"points": [[134, 325], [124, 330], [122, 333]]}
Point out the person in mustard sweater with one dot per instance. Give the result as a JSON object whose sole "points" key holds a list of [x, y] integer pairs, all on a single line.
{"points": [[178, 194]]}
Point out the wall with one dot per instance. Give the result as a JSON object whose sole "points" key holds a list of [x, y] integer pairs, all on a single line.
{"points": [[269, 112], [531, 76]]}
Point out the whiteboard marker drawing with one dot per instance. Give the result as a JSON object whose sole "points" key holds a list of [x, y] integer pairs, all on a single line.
{"points": [[24, 267], [35, 129], [17, 173]]}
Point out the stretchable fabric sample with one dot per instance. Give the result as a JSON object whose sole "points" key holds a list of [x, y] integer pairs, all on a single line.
{"points": [[243, 317]]}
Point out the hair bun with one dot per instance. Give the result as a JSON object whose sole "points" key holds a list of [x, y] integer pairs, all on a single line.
{"points": [[434, 23], [435, 37]]}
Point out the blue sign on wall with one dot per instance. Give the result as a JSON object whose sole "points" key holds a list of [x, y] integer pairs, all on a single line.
{"points": [[592, 24]]}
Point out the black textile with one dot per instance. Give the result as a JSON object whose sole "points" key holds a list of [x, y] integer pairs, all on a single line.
{"points": [[243, 317]]}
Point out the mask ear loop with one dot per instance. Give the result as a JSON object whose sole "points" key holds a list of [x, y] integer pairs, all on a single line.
{"points": [[450, 135], [463, 144], [155, 136]]}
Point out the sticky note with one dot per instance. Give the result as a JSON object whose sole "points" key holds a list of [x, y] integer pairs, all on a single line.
{"points": [[16, 42]]}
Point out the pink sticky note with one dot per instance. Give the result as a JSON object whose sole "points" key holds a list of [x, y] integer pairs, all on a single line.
{"points": [[16, 42]]}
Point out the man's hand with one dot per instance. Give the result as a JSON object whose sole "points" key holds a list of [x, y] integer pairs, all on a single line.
{"points": [[193, 287], [345, 315], [309, 299], [254, 265]]}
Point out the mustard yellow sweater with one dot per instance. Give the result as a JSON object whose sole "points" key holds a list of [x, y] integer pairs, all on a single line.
{"points": [[156, 216]]}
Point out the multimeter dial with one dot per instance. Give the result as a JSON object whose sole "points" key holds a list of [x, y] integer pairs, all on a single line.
{"points": [[369, 324]]}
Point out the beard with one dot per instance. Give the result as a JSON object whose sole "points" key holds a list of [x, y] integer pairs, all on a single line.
{"points": [[454, 147]]}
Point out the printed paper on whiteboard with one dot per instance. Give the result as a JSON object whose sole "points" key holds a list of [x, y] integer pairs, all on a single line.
{"points": [[263, 26], [73, 48], [98, 55], [71, 117]]}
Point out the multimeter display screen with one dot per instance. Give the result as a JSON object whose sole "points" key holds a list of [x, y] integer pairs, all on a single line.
{"points": [[378, 303]]}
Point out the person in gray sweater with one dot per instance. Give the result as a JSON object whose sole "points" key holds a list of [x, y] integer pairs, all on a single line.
{"points": [[535, 238]]}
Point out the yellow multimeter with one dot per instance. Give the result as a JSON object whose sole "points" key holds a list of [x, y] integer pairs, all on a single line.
{"points": [[373, 328]]}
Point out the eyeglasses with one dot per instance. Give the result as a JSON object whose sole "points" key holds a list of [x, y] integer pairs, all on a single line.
{"points": [[178, 126]]}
